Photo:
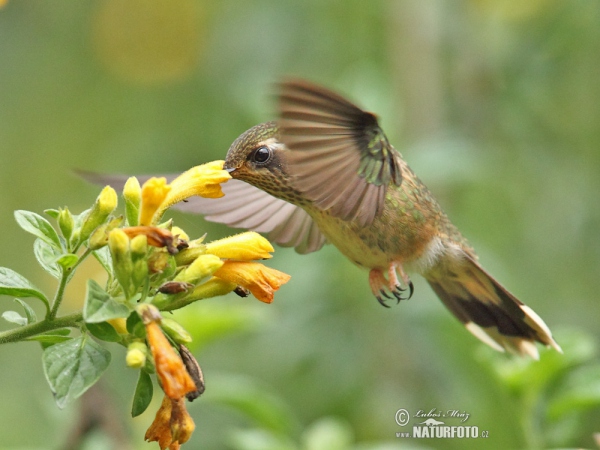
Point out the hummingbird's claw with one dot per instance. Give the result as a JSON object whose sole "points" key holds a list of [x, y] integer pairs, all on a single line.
{"points": [[385, 294], [382, 301], [399, 290]]}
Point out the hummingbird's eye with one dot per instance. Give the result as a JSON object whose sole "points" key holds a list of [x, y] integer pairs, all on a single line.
{"points": [[262, 155]]}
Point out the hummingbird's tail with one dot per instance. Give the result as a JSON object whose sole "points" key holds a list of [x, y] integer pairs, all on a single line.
{"points": [[487, 309]]}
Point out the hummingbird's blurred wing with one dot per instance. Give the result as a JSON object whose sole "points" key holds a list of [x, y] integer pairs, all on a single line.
{"points": [[340, 159], [243, 206]]}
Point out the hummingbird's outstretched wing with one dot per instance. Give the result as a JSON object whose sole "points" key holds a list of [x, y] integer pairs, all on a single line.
{"points": [[243, 206], [340, 158]]}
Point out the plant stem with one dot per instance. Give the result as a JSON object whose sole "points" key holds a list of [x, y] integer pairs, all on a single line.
{"points": [[18, 334], [59, 296], [64, 279]]}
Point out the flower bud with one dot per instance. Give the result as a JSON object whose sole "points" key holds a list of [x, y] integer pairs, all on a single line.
{"points": [[212, 288], [175, 331], [202, 267], [66, 223], [99, 237], [246, 246], [118, 242], [104, 205], [187, 256], [132, 194], [136, 355], [139, 248]]}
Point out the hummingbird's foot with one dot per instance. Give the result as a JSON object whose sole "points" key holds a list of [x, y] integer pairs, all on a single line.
{"points": [[394, 283], [390, 288], [378, 285]]}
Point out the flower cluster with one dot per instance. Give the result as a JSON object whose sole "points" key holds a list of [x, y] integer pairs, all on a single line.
{"points": [[157, 266]]}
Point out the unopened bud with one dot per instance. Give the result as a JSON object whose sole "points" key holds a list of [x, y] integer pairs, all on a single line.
{"points": [[202, 267], [136, 355], [118, 242], [132, 194], [66, 223], [104, 205], [176, 331]]}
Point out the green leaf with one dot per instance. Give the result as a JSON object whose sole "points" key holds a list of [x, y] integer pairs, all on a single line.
{"points": [[11, 283], [29, 312], [72, 367], [14, 317], [100, 306], [104, 331], [46, 256], [104, 258], [52, 213], [38, 226], [135, 326], [143, 394], [67, 261], [51, 337]]}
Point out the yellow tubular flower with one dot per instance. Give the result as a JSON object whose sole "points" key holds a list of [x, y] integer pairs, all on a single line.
{"points": [[244, 246], [262, 281], [203, 180], [154, 193]]}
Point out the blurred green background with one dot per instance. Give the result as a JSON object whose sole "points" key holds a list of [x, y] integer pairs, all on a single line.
{"points": [[495, 104]]}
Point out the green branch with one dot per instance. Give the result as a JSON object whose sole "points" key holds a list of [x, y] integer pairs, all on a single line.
{"points": [[43, 326]]}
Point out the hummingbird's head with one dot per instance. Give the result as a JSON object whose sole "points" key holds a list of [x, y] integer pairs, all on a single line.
{"points": [[258, 158]]}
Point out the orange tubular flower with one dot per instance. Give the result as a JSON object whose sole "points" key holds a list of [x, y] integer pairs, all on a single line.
{"points": [[175, 380], [172, 425], [262, 281]]}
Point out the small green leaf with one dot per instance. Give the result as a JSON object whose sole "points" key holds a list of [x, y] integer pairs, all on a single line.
{"points": [[52, 213], [72, 367], [29, 312], [11, 283], [38, 226], [100, 306], [104, 258], [143, 394], [46, 256], [14, 317], [67, 260], [51, 337], [135, 326], [104, 331]]}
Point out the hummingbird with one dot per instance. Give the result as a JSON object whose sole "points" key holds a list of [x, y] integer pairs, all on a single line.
{"points": [[325, 172]]}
